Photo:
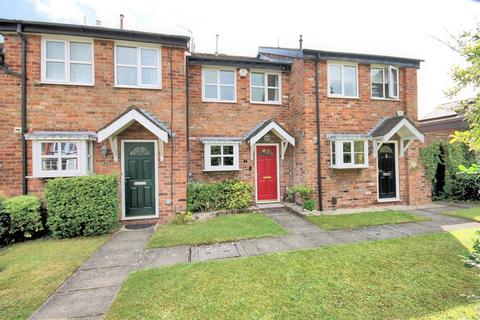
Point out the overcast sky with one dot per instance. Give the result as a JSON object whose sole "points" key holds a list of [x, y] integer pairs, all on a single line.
{"points": [[400, 28]]}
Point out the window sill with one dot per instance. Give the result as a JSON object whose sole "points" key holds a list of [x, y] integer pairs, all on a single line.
{"points": [[343, 97], [137, 87], [385, 99], [58, 175], [220, 170], [389, 200], [267, 103], [67, 83], [350, 167], [219, 101]]}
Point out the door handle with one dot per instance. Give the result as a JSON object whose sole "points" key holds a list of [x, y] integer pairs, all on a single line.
{"points": [[387, 174], [267, 177], [127, 178]]}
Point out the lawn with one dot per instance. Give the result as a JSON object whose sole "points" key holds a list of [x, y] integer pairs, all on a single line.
{"points": [[389, 279], [363, 219], [31, 271], [470, 214], [221, 229]]}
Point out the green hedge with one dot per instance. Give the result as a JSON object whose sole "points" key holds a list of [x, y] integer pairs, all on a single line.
{"points": [[20, 218], [466, 187], [229, 195], [82, 206]]}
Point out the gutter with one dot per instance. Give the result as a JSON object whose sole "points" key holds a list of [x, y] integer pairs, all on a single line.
{"points": [[23, 107], [317, 119]]}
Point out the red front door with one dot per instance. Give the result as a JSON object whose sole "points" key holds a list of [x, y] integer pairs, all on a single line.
{"points": [[267, 183]]}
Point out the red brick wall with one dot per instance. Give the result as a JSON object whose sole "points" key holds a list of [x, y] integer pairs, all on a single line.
{"points": [[75, 108]]}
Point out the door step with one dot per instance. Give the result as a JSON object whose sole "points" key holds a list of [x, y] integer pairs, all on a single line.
{"points": [[269, 206]]}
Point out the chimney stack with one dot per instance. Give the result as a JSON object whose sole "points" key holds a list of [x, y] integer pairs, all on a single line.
{"points": [[121, 21], [301, 42]]}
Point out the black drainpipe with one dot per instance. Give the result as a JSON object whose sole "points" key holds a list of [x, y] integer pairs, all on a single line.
{"points": [[24, 108], [187, 113], [317, 116]]}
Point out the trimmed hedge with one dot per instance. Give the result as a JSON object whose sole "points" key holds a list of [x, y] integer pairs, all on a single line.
{"points": [[82, 206], [20, 218], [226, 195], [466, 187]]}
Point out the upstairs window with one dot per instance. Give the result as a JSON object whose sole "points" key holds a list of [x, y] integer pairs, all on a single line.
{"points": [[342, 80], [348, 154], [221, 157], [137, 67], [67, 62], [384, 82], [218, 85], [265, 87]]}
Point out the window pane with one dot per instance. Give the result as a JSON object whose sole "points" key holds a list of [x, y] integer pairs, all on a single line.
{"points": [[273, 95], [49, 164], [227, 77], [335, 87], [49, 149], [350, 89], [332, 147], [258, 79], [258, 94], [215, 150], [127, 76], [347, 147], [228, 161], [210, 76], [127, 55], [377, 90], [227, 93], [55, 50], [350, 73], [149, 57], [215, 161], [347, 156], [227, 150], [272, 80], [81, 73], [377, 75], [55, 71], [335, 72], [69, 149], [359, 146], [359, 158], [210, 92], [80, 52], [69, 164], [149, 76]]}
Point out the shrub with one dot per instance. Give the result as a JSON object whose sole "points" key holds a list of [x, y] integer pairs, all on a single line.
{"points": [[230, 195], [466, 187], [304, 191], [183, 217], [82, 206], [309, 205], [23, 216], [4, 223], [290, 196]]}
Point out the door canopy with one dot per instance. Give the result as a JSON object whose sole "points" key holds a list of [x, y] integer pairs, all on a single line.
{"points": [[265, 127], [399, 125]]}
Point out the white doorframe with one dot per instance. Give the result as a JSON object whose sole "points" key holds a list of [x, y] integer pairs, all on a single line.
{"points": [[157, 210], [277, 146], [397, 176]]}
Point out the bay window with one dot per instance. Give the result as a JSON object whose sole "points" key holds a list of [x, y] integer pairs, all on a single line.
{"points": [[347, 154], [342, 80], [384, 82], [221, 157], [67, 61], [218, 85], [137, 67], [265, 87]]}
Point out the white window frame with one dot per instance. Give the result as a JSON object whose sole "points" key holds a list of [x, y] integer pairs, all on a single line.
{"points": [[67, 62], [342, 65], [219, 85], [339, 164], [84, 147], [265, 87], [387, 79], [138, 65], [207, 157]]}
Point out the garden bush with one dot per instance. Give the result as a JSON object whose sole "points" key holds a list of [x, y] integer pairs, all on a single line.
{"points": [[82, 206], [21, 217], [309, 205], [4, 223], [229, 195], [466, 187]]}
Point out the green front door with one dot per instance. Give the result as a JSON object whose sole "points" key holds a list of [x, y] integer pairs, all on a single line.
{"points": [[139, 166]]}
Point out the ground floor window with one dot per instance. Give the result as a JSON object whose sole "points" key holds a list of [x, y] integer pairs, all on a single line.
{"points": [[221, 156], [62, 158], [345, 154]]}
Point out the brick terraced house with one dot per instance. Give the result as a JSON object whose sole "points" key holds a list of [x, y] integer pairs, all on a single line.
{"points": [[82, 100]]}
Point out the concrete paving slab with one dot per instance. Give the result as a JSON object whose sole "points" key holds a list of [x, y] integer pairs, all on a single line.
{"points": [[248, 247], [164, 256], [106, 259], [320, 238], [414, 228], [381, 232], [347, 236], [216, 251], [298, 241], [268, 245], [75, 304], [96, 278], [466, 225]]}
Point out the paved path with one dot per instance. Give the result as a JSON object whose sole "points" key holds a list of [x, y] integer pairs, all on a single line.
{"points": [[90, 291]]}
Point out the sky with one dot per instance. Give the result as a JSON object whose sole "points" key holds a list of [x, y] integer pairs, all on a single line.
{"points": [[406, 28]]}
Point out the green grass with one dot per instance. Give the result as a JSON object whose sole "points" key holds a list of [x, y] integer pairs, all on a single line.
{"points": [[363, 219], [31, 271], [221, 229], [470, 214], [415, 277]]}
